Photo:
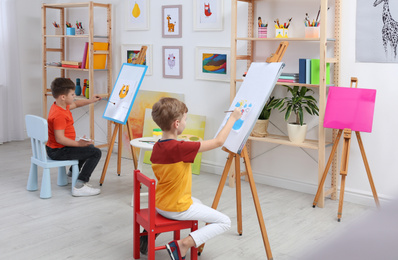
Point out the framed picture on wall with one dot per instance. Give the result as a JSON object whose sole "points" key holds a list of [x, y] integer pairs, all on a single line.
{"points": [[131, 51], [172, 21], [172, 62], [137, 15], [212, 63], [208, 15]]}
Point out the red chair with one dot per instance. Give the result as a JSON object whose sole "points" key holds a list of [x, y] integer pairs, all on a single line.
{"points": [[150, 220]]}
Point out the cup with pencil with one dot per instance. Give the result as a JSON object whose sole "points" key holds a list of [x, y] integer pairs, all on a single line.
{"points": [[58, 29], [262, 28], [69, 29], [312, 26], [79, 27], [282, 29]]}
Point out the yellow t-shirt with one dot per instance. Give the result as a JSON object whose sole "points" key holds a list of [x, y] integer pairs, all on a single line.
{"points": [[171, 163]]}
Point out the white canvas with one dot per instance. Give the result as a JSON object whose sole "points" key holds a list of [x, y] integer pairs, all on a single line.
{"points": [[255, 90]]}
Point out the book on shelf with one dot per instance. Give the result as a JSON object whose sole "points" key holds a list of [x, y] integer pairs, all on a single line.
{"points": [[315, 67], [99, 60], [71, 66], [288, 80], [84, 56], [309, 71], [71, 62]]}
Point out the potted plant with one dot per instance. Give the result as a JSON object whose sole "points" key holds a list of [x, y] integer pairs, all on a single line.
{"points": [[299, 102], [260, 128]]}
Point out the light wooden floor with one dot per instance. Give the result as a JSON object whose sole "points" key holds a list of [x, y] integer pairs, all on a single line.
{"points": [[100, 227]]}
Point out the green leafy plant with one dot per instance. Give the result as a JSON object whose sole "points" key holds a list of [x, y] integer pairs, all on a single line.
{"points": [[297, 103], [266, 112]]}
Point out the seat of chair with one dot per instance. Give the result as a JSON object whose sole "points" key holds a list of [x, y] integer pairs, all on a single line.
{"points": [[53, 163], [162, 224]]}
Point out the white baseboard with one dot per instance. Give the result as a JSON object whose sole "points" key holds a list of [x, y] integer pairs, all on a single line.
{"points": [[358, 197]]}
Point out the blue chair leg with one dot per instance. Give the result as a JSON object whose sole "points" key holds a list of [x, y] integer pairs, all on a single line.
{"points": [[62, 177], [45, 190], [32, 179], [75, 174]]}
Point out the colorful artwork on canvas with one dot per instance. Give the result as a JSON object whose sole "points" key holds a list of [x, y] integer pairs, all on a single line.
{"points": [[145, 99], [214, 63], [132, 55], [194, 131]]}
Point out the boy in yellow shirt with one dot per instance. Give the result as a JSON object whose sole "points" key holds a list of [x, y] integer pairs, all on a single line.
{"points": [[171, 162]]}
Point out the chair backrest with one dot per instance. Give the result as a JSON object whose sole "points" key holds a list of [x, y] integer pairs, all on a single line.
{"points": [[140, 178], [37, 130]]}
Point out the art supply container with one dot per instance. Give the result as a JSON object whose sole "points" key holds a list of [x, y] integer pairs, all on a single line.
{"points": [[281, 33], [58, 31], [157, 133], [311, 32], [70, 31], [262, 32]]}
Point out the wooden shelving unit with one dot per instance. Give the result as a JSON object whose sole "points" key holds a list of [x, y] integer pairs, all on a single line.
{"points": [[62, 51], [322, 43]]}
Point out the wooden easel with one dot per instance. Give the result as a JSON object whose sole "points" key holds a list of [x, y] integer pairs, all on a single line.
{"points": [[119, 129], [344, 164], [276, 57]]}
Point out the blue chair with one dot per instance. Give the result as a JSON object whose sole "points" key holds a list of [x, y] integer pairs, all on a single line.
{"points": [[37, 130]]}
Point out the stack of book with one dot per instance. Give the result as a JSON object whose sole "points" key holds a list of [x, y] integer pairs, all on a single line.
{"points": [[71, 64], [309, 71], [289, 77]]}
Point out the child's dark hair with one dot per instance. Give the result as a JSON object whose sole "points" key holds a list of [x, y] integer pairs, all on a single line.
{"points": [[166, 111], [61, 86]]}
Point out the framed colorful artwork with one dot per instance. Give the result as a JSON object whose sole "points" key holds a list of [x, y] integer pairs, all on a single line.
{"points": [[212, 63], [131, 51], [208, 15], [172, 21], [137, 15], [172, 62]]}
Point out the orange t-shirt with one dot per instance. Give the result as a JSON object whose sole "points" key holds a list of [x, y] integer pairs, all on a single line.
{"points": [[171, 163], [59, 119]]}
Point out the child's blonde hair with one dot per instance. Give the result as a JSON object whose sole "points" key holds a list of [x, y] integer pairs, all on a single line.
{"points": [[166, 111]]}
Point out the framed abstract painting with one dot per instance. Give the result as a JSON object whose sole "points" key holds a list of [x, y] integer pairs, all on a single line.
{"points": [[212, 63]]}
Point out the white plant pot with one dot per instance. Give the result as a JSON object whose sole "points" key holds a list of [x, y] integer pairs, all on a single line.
{"points": [[260, 128], [296, 132]]}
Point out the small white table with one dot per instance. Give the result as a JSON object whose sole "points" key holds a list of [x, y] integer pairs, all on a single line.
{"points": [[145, 144]]}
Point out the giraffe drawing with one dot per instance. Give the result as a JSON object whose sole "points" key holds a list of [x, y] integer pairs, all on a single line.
{"points": [[390, 28], [170, 25]]}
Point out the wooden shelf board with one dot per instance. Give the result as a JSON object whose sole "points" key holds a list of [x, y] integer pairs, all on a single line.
{"points": [[65, 68], [74, 36], [282, 39], [279, 139], [68, 5]]}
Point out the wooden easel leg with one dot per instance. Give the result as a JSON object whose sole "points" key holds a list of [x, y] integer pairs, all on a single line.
{"points": [[238, 194], [132, 148], [108, 155], [344, 169], [322, 182], [219, 189], [365, 161], [257, 203], [119, 150]]}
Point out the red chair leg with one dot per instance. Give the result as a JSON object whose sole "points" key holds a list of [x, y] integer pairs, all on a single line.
{"points": [[136, 241], [151, 245], [177, 235], [194, 250]]}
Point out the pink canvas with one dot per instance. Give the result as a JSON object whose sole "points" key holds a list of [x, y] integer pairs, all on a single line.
{"points": [[351, 108]]}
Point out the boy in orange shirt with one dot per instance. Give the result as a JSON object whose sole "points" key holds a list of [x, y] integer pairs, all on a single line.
{"points": [[171, 162], [61, 143]]}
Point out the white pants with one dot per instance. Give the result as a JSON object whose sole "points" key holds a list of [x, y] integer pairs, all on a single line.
{"points": [[218, 222]]}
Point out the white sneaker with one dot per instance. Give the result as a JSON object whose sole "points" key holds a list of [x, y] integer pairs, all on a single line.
{"points": [[84, 191]]}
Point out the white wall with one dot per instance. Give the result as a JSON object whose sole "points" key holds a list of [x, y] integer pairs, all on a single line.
{"points": [[283, 166]]}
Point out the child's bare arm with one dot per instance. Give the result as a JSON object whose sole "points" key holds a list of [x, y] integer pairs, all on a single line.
{"points": [[222, 135], [84, 102], [62, 139]]}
